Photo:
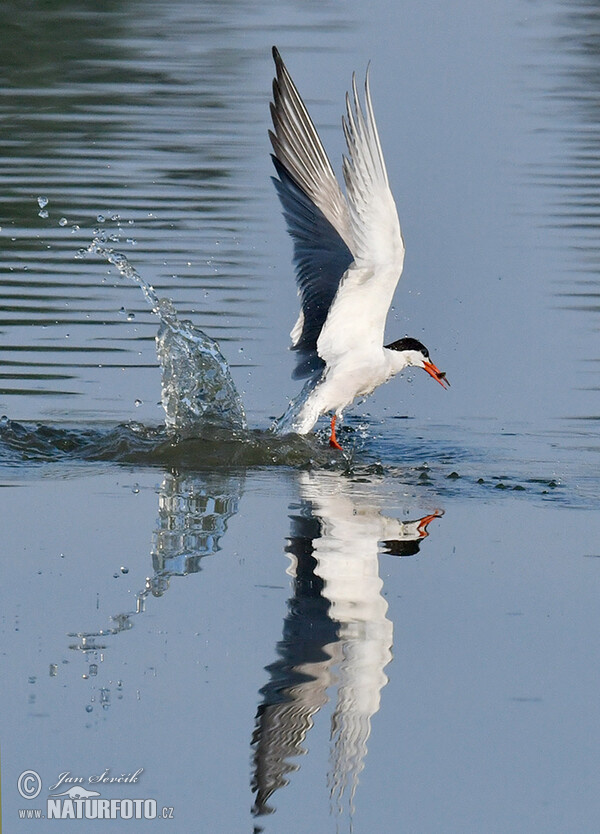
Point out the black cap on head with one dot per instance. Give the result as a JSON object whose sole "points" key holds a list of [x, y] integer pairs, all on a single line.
{"points": [[409, 344]]}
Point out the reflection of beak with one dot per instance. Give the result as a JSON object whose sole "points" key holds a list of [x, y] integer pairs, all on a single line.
{"points": [[438, 375], [422, 528]]}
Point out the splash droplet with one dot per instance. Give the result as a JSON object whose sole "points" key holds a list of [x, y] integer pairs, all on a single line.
{"points": [[42, 202], [63, 221]]}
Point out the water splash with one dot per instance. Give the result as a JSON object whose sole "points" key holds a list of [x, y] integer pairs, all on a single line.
{"points": [[197, 389], [196, 385]]}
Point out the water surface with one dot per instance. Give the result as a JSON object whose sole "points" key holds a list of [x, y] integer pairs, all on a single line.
{"points": [[285, 638]]}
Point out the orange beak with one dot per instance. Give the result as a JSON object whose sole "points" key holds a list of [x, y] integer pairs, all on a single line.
{"points": [[438, 375]]}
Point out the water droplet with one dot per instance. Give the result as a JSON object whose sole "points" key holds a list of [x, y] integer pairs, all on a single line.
{"points": [[43, 214], [42, 202], [101, 218], [93, 670], [63, 221], [74, 228], [32, 679], [130, 316], [53, 670], [123, 568], [115, 575], [4, 421], [132, 241], [138, 403], [135, 489], [89, 708]]}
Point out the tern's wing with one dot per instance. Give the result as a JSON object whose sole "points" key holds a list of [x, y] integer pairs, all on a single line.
{"points": [[356, 320], [377, 239], [316, 213], [321, 258]]}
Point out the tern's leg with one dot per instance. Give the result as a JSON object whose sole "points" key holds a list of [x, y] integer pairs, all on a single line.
{"points": [[333, 440]]}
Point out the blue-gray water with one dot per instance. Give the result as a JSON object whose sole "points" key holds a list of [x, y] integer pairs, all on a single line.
{"points": [[402, 638]]}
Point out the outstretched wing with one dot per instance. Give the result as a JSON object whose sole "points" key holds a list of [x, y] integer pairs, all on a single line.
{"points": [[357, 239], [356, 320], [377, 239], [316, 213], [321, 258]]}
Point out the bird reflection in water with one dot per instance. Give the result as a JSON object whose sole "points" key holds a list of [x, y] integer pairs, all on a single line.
{"points": [[337, 637], [336, 633]]}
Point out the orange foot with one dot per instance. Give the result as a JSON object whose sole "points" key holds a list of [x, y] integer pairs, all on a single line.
{"points": [[333, 440]]}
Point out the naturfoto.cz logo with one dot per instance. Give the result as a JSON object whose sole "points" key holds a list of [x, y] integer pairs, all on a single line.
{"points": [[74, 801]]}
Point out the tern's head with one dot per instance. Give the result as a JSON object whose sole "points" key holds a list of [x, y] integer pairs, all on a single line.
{"points": [[413, 352]]}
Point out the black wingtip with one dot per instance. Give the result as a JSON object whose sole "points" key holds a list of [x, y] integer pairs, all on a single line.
{"points": [[276, 55]]}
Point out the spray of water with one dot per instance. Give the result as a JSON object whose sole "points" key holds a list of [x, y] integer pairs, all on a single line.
{"points": [[197, 389]]}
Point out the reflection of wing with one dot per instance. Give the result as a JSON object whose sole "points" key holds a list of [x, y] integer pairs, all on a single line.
{"points": [[347, 557], [300, 677], [336, 633]]}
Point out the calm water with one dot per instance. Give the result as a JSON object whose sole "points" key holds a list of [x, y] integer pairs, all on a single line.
{"points": [[402, 638]]}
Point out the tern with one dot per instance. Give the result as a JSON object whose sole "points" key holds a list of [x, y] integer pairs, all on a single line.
{"points": [[348, 256]]}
